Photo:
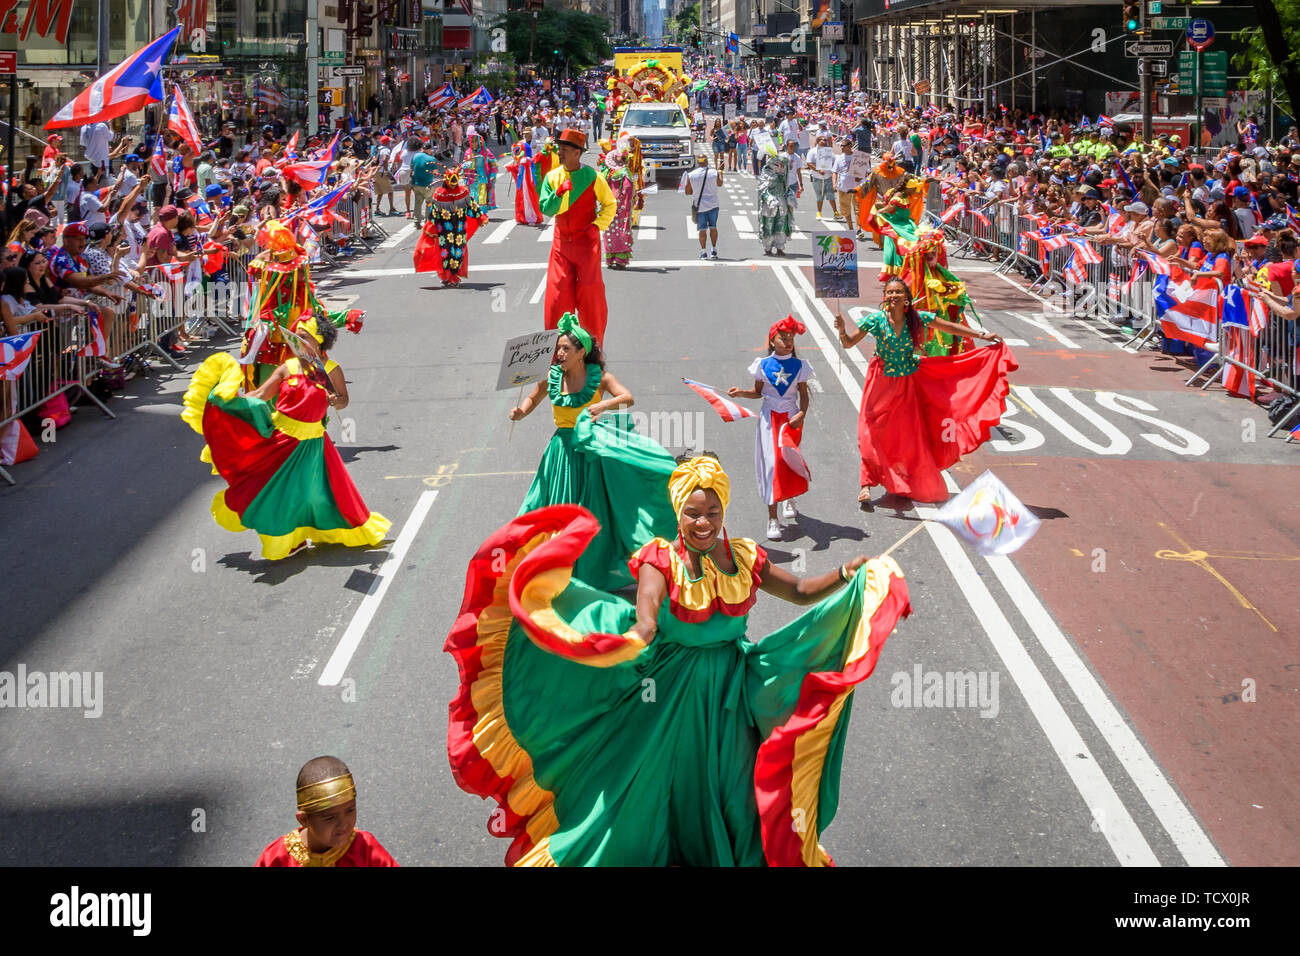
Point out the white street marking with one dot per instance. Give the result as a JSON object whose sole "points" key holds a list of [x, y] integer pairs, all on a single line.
{"points": [[648, 228], [500, 232], [1046, 327], [337, 665], [537, 293], [547, 234], [398, 236]]}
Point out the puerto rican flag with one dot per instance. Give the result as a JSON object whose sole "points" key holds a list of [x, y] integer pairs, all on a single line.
{"points": [[202, 213], [326, 152], [1105, 122], [96, 345], [311, 174], [1192, 310], [480, 97], [952, 212], [321, 204], [15, 352], [1087, 254], [1158, 265], [158, 161], [124, 89], [291, 147], [728, 410], [181, 121], [442, 97]]}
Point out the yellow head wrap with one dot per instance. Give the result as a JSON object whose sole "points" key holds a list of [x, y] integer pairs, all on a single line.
{"points": [[703, 472], [312, 329]]}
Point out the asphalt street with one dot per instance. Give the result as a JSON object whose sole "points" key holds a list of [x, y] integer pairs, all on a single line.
{"points": [[1111, 647]]}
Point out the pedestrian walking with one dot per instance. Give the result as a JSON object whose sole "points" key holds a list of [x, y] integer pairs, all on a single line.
{"points": [[704, 184]]}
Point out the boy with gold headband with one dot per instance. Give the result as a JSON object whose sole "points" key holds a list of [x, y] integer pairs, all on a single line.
{"points": [[327, 812]]}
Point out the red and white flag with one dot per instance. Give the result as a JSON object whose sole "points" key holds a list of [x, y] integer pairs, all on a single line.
{"points": [[15, 352], [96, 345], [181, 121], [1193, 316], [728, 410], [124, 89], [952, 212]]}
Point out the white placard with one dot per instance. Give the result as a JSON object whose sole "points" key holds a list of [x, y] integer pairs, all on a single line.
{"points": [[859, 166], [526, 359], [751, 104], [729, 112]]}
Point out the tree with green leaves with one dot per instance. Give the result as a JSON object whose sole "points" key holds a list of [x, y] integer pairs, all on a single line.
{"points": [[565, 38], [684, 21], [1271, 57]]}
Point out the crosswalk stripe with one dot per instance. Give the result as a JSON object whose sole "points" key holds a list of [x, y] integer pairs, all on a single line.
{"points": [[500, 232], [649, 228], [691, 231], [547, 234], [742, 224]]}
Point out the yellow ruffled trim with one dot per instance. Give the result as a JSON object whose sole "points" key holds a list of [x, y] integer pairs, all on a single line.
{"points": [[493, 738], [730, 588], [275, 547], [219, 374], [294, 428], [205, 456]]}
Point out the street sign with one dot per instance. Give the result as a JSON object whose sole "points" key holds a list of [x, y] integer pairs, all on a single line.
{"points": [[1200, 33], [1153, 6], [348, 70], [1214, 73], [1214, 102], [1140, 48], [1154, 67], [833, 31], [758, 30], [834, 57], [331, 56], [1169, 23], [837, 71]]}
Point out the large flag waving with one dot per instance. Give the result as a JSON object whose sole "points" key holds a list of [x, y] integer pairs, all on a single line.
{"points": [[728, 410], [480, 97], [442, 97], [312, 173], [989, 516], [124, 89], [15, 352], [181, 121]]}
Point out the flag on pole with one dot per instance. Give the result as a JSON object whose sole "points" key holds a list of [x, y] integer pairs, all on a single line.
{"points": [[480, 97], [989, 516], [311, 173], [124, 89], [952, 212], [15, 352], [291, 147], [728, 410], [733, 43], [158, 161], [181, 121]]}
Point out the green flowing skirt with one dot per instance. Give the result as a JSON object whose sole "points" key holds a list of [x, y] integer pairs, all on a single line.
{"points": [[621, 477], [700, 749]]}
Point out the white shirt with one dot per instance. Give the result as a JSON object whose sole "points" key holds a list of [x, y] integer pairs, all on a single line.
{"points": [[95, 140], [796, 163], [843, 178], [773, 400], [821, 159], [704, 187], [789, 130]]}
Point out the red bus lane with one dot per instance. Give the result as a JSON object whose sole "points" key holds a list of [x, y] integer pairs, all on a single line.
{"points": [[1171, 567]]}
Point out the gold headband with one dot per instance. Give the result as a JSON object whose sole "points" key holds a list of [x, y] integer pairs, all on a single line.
{"points": [[324, 794], [702, 472]]}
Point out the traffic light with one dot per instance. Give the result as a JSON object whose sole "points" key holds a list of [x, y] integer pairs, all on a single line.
{"points": [[1132, 16], [365, 17]]}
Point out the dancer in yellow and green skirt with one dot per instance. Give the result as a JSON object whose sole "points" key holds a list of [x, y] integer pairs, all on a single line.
{"points": [[286, 479]]}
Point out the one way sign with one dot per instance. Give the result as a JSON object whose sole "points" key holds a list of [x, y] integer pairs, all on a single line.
{"points": [[1139, 48]]}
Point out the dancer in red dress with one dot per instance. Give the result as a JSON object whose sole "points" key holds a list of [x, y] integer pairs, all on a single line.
{"points": [[454, 217], [920, 415], [583, 206]]}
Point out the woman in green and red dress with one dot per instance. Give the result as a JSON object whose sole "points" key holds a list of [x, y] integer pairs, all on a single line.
{"points": [[286, 479], [659, 734], [920, 414]]}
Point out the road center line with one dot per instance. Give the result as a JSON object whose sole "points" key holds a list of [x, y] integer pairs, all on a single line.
{"points": [[365, 613], [398, 236]]}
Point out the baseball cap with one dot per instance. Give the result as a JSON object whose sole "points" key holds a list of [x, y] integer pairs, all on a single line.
{"points": [[1275, 223], [75, 229], [1138, 207], [1256, 240], [240, 210], [132, 158], [213, 189], [98, 231], [1241, 192], [167, 212]]}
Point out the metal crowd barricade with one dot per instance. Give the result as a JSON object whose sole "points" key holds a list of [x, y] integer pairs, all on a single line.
{"points": [[56, 367]]}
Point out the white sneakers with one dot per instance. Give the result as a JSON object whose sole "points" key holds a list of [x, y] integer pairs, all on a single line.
{"points": [[773, 530], [787, 510]]}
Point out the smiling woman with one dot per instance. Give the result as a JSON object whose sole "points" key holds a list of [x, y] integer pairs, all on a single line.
{"points": [[659, 734]]}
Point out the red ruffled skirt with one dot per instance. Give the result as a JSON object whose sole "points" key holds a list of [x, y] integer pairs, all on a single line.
{"points": [[912, 427]]}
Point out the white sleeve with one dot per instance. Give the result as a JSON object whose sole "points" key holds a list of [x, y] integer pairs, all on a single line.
{"points": [[756, 369], [804, 373]]}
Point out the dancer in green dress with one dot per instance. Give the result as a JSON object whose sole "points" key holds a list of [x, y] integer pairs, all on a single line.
{"points": [[599, 462], [659, 734]]}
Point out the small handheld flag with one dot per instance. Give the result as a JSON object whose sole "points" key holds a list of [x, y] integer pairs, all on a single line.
{"points": [[989, 516], [727, 410]]}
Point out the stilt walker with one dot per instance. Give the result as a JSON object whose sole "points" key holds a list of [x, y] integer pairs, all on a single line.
{"points": [[583, 206]]}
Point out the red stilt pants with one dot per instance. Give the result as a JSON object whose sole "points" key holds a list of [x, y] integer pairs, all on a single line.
{"points": [[574, 282]]}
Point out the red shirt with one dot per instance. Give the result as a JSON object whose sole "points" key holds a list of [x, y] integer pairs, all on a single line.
{"points": [[364, 851], [1283, 273]]}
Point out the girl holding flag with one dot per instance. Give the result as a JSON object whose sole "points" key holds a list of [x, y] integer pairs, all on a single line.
{"points": [[920, 415], [781, 381]]}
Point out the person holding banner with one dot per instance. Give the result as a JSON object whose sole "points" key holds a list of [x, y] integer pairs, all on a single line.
{"points": [[920, 415], [781, 381], [603, 465], [659, 733]]}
